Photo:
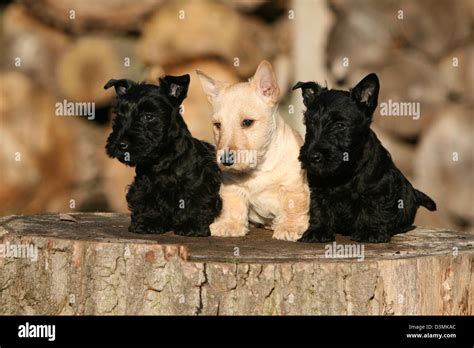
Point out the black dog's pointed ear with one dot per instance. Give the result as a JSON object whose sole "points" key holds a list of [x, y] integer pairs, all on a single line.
{"points": [[176, 87], [366, 92], [121, 86], [309, 89]]}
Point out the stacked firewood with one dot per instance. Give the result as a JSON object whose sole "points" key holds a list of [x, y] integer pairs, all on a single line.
{"points": [[66, 50], [55, 51]]}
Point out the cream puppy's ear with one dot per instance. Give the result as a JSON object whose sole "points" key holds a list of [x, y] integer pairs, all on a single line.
{"points": [[265, 84], [211, 87]]}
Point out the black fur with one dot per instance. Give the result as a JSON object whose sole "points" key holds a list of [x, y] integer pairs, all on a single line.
{"points": [[177, 182], [355, 187]]}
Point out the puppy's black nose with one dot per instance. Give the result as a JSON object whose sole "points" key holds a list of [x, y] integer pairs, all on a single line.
{"points": [[123, 146], [317, 157], [227, 159]]}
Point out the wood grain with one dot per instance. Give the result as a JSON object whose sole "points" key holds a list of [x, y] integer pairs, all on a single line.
{"points": [[108, 270]]}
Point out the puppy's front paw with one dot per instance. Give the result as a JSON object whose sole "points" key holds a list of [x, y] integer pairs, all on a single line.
{"points": [[142, 228], [136, 227], [380, 237], [194, 232], [317, 236], [288, 233], [228, 229]]}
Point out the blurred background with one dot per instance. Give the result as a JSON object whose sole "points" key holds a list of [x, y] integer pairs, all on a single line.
{"points": [[56, 50]]}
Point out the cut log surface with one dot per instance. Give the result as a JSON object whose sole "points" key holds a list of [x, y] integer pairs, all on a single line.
{"points": [[244, 37], [93, 60], [90, 264], [78, 16]]}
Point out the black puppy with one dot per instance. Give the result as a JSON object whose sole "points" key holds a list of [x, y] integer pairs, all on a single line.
{"points": [[355, 187], [176, 186]]}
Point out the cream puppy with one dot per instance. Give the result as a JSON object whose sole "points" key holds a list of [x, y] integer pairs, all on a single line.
{"points": [[258, 154]]}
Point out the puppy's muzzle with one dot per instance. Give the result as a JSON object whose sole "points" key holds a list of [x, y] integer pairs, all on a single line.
{"points": [[227, 159], [317, 157]]}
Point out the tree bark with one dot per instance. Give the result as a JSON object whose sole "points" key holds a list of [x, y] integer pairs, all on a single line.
{"points": [[94, 266]]}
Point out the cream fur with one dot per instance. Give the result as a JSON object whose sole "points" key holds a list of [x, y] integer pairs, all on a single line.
{"points": [[274, 192]]}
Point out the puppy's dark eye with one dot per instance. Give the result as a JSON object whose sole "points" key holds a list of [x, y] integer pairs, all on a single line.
{"points": [[217, 125], [339, 125], [149, 117], [247, 123]]}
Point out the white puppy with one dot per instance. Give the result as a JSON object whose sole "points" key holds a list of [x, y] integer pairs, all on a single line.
{"points": [[258, 154]]}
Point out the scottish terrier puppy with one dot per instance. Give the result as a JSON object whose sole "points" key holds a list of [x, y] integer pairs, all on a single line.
{"points": [[355, 187], [177, 181]]}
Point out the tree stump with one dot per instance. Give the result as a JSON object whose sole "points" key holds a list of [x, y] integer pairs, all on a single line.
{"points": [[89, 264]]}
